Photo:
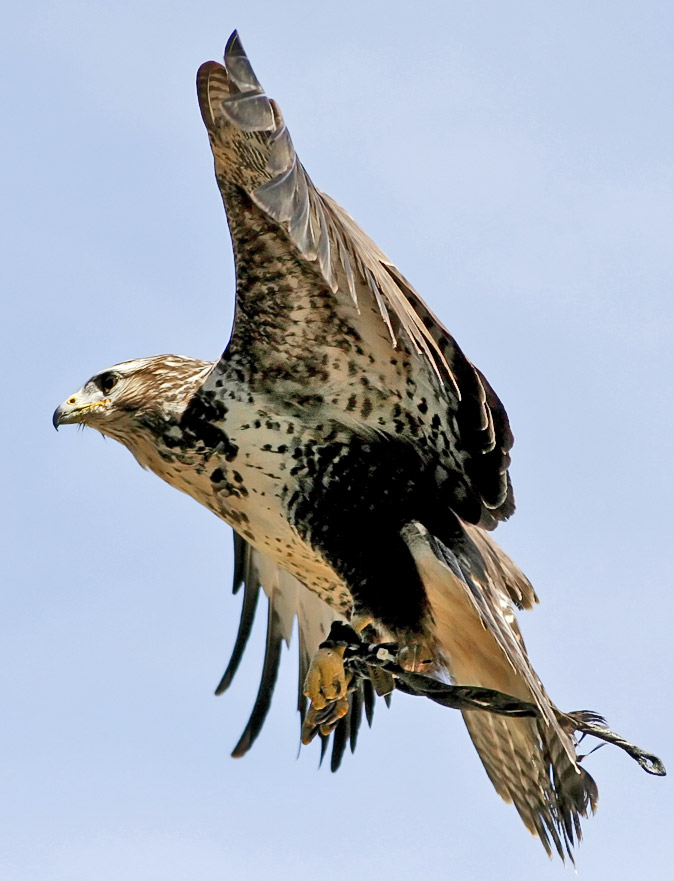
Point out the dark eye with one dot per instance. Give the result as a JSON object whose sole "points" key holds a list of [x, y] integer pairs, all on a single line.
{"points": [[107, 381]]}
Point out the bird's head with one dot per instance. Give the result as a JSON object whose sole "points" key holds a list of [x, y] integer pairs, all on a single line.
{"points": [[121, 399]]}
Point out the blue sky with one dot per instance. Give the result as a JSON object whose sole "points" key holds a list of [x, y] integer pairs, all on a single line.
{"points": [[515, 160]]}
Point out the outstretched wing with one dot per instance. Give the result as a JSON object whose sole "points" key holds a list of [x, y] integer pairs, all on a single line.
{"points": [[319, 304], [287, 600]]}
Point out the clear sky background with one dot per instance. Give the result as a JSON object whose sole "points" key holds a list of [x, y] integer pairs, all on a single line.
{"points": [[515, 160]]}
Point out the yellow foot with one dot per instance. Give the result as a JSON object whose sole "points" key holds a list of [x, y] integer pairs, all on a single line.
{"points": [[325, 686]]}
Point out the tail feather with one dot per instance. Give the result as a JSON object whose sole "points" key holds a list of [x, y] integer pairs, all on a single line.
{"points": [[532, 763]]}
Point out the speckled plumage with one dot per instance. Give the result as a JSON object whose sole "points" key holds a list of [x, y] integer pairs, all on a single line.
{"points": [[357, 453]]}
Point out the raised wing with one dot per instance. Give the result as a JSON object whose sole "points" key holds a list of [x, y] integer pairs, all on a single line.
{"points": [[315, 295], [287, 601]]}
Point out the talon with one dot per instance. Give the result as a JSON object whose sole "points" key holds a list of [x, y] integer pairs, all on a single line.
{"points": [[338, 710], [326, 680], [323, 720], [326, 686]]}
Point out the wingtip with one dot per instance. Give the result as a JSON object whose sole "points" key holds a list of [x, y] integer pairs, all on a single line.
{"points": [[224, 684], [233, 48], [205, 68], [234, 45], [242, 747]]}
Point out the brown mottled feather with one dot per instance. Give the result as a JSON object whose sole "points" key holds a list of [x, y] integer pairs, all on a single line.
{"points": [[254, 153]]}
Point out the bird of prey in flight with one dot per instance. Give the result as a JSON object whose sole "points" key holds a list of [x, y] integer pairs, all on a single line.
{"points": [[362, 461]]}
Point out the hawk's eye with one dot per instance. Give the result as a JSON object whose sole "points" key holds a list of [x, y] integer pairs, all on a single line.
{"points": [[107, 382]]}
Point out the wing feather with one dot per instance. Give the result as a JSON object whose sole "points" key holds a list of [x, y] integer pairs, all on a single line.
{"points": [[272, 657], [287, 600], [256, 165], [531, 762], [244, 573]]}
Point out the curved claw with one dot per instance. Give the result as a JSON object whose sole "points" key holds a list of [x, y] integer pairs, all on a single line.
{"points": [[323, 720], [326, 687], [326, 679]]}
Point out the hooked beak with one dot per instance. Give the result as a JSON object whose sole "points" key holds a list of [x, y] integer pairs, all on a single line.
{"points": [[75, 410], [65, 412], [58, 417]]}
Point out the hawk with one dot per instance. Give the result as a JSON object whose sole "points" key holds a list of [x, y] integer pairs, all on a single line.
{"points": [[360, 458]]}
